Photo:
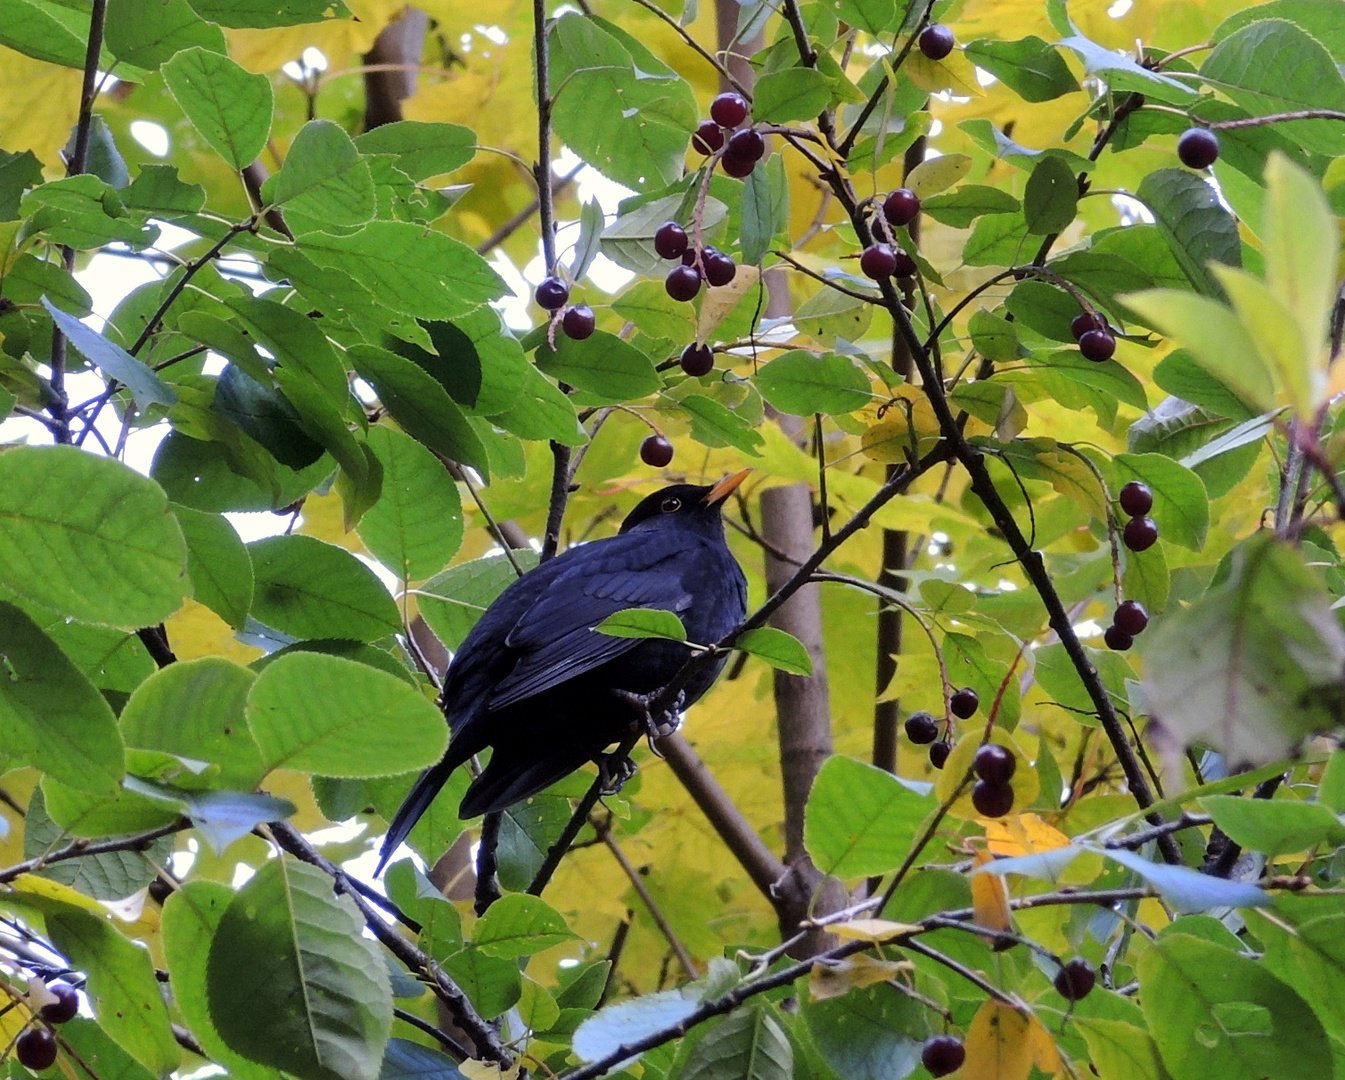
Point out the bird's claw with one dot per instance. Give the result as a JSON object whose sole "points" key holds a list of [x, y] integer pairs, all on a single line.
{"points": [[668, 722], [613, 772]]}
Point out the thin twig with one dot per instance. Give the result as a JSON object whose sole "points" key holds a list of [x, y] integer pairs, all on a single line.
{"points": [[79, 849]]}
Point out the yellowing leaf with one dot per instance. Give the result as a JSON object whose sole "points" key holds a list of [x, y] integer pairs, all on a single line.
{"points": [[954, 72], [1045, 1053], [718, 302], [875, 930], [938, 174], [990, 898], [853, 973], [999, 1044], [1023, 834], [1295, 356]]}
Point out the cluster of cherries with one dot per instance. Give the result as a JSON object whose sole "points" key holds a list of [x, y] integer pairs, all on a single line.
{"points": [[1095, 337], [882, 260], [553, 294], [694, 264], [923, 730], [36, 1047], [945, 1054], [1141, 531], [743, 147]]}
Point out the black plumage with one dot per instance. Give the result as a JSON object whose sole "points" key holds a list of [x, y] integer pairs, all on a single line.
{"points": [[538, 686]]}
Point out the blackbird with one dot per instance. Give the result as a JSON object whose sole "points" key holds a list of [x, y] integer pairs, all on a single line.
{"points": [[546, 693]]}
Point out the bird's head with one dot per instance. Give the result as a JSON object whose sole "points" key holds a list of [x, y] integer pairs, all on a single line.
{"points": [[689, 504]]}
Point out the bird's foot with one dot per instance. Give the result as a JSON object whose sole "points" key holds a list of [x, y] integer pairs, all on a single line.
{"points": [[654, 729], [613, 772]]}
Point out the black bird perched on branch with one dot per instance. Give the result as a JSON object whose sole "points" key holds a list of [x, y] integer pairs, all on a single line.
{"points": [[538, 685]]}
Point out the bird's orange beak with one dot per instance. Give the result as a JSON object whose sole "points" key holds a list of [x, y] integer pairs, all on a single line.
{"points": [[726, 487]]}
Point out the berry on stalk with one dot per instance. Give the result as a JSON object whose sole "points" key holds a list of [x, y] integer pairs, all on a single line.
{"points": [[747, 144], [943, 1054], [656, 451], [905, 264], [698, 359], [65, 1006], [938, 753], [994, 764], [683, 282], [728, 109], [1117, 639], [921, 728], [1198, 148], [670, 241], [1086, 321], [1140, 534], [1075, 979], [552, 293], [1137, 498], [878, 261], [579, 322], [36, 1049], [708, 138], [1097, 345], [901, 206], [936, 41], [1131, 617], [964, 703], [990, 799], [720, 269]]}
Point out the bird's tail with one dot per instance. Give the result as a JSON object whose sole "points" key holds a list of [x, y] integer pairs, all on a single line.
{"points": [[413, 807], [511, 778]]}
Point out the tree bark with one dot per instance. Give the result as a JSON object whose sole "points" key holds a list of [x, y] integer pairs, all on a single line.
{"points": [[398, 46]]}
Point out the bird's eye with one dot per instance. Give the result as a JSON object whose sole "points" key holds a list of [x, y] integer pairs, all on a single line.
{"points": [[671, 506]]}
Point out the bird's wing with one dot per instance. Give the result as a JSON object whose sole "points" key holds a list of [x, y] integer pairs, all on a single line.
{"points": [[555, 640]]}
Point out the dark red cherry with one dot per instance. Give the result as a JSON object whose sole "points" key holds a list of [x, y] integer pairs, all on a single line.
{"points": [[901, 206], [670, 241], [683, 282], [729, 109], [552, 293], [656, 451], [698, 359], [579, 322], [708, 138]]}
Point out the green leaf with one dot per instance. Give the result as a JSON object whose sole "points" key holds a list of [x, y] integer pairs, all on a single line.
{"points": [[999, 240], [229, 106], [410, 268], [218, 564], [479, 362], [793, 94], [765, 209], [1051, 198], [829, 315], [617, 1026], [46, 30], [491, 982], [602, 365], [748, 1045], [122, 988], [84, 212], [1180, 374], [241, 14], [1296, 359], [415, 894], [334, 717], [148, 34], [643, 623], [874, 16], [195, 709], [1120, 72], [1181, 505], [88, 537], [288, 949], [310, 589], [453, 601], [714, 425], [860, 819], [1121, 1049], [422, 150], [629, 240], [937, 174], [1031, 68], [324, 184], [416, 525], [156, 188], [191, 915], [1311, 958], [1274, 826], [1186, 985], [221, 817], [800, 383], [111, 359], [963, 206], [406, 1060], [782, 651], [1188, 890], [993, 336], [520, 925], [1255, 664], [1197, 228]]}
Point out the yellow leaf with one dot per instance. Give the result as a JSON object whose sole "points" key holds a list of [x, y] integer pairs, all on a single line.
{"points": [[719, 302], [938, 174], [1045, 1053], [875, 930], [43, 894], [990, 898], [954, 72], [487, 1070], [1023, 834], [999, 1045], [853, 973]]}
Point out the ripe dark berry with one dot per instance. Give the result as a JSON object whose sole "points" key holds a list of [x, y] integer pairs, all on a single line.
{"points": [[1140, 533], [1198, 148], [1136, 498], [698, 359], [656, 451], [737, 167], [670, 241], [728, 109], [878, 261], [994, 764], [683, 282], [921, 728], [746, 144], [719, 268], [1131, 617], [938, 753], [689, 257], [36, 1048], [578, 322], [1097, 345], [936, 41], [1117, 639], [64, 1007], [905, 265], [708, 138], [943, 1054], [991, 800], [552, 293], [901, 206], [1086, 321], [964, 703], [1075, 979]]}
